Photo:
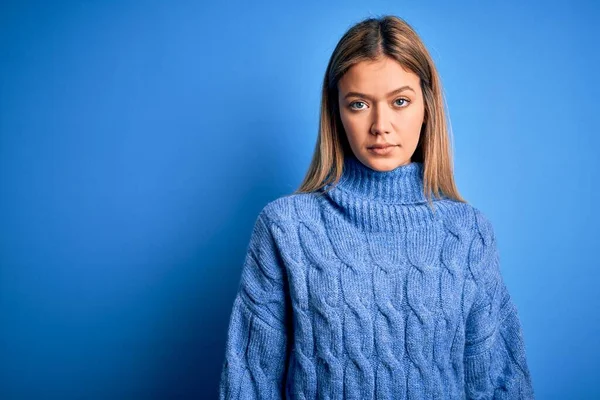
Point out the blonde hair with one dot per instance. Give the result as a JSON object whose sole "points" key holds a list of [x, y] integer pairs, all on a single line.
{"points": [[369, 40]]}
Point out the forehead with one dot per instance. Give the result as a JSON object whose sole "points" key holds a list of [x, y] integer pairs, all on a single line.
{"points": [[379, 76]]}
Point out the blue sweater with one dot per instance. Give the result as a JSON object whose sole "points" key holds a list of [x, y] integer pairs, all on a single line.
{"points": [[365, 292]]}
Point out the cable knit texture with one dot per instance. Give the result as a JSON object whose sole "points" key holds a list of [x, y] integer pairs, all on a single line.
{"points": [[366, 292]]}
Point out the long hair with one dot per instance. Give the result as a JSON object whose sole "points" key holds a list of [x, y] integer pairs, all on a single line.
{"points": [[366, 41]]}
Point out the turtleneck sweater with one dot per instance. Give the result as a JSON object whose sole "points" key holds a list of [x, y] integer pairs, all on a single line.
{"points": [[366, 291]]}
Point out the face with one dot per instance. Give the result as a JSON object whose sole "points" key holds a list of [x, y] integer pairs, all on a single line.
{"points": [[381, 103]]}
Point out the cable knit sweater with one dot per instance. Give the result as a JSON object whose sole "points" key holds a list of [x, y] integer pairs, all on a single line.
{"points": [[366, 292]]}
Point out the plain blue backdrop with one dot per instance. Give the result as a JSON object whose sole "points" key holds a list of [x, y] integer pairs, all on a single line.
{"points": [[139, 141]]}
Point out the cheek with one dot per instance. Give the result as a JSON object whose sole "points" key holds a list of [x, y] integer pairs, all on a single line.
{"points": [[353, 125], [348, 118], [410, 123]]}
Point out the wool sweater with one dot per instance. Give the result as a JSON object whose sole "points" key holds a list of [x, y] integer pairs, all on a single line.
{"points": [[366, 291]]}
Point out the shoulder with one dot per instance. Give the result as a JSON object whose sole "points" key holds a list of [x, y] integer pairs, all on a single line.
{"points": [[291, 208], [469, 228], [467, 218], [283, 217], [482, 227]]}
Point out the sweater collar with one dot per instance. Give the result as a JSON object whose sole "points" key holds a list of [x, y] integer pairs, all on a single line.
{"points": [[402, 185]]}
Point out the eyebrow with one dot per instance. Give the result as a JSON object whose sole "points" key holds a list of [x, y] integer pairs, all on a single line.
{"points": [[393, 92]]}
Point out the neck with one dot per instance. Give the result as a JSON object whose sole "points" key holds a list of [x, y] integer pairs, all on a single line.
{"points": [[381, 200], [402, 185]]}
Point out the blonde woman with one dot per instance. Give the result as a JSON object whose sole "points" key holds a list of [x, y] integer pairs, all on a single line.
{"points": [[375, 279]]}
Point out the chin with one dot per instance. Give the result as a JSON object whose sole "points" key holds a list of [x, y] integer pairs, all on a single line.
{"points": [[384, 164], [379, 164]]}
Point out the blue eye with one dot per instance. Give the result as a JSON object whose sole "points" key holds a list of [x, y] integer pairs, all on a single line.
{"points": [[353, 107], [354, 102]]}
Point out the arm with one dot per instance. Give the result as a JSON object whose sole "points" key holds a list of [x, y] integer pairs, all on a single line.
{"points": [[257, 337], [495, 359]]}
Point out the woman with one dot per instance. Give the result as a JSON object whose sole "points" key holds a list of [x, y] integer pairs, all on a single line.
{"points": [[375, 280]]}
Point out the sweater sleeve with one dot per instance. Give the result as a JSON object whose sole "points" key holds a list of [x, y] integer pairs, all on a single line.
{"points": [[257, 337], [495, 358]]}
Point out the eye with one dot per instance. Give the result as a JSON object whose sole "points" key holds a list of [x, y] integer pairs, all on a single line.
{"points": [[353, 105], [402, 99], [356, 102]]}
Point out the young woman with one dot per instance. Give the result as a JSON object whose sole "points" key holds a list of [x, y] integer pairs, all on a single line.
{"points": [[375, 280]]}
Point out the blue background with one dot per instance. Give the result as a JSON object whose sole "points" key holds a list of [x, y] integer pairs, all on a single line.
{"points": [[139, 141]]}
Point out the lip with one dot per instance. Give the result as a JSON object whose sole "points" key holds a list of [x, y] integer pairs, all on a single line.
{"points": [[381, 146], [382, 150]]}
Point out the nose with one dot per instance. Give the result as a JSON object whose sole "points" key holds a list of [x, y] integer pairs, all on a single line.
{"points": [[381, 121]]}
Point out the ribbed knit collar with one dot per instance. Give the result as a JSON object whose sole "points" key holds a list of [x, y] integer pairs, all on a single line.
{"points": [[380, 201], [402, 185]]}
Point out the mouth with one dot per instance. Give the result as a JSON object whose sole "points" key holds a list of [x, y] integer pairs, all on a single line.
{"points": [[381, 146], [382, 150]]}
